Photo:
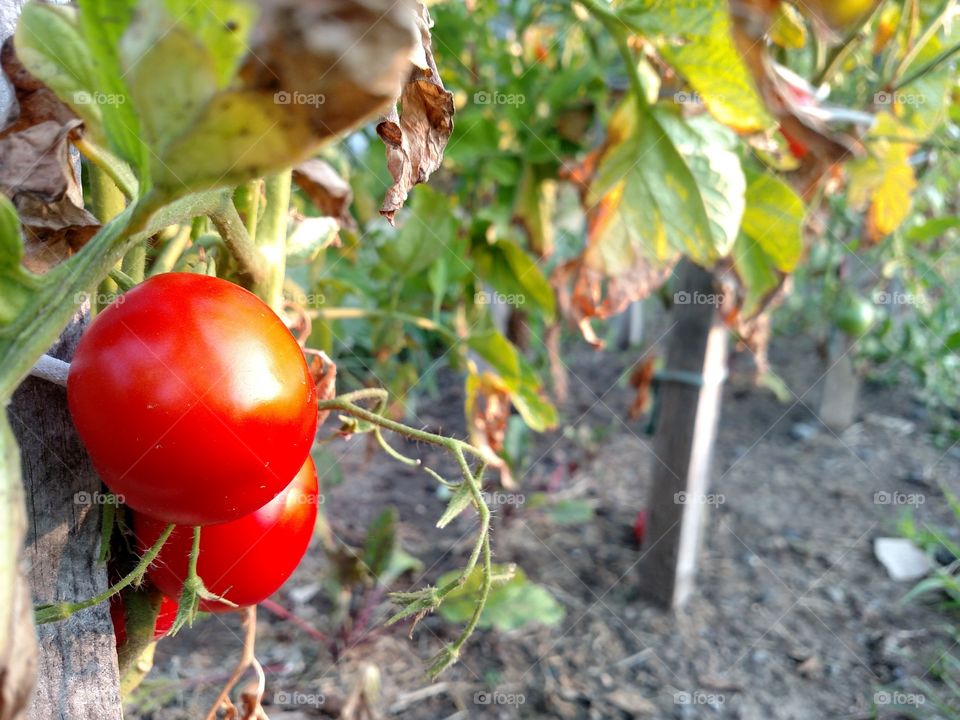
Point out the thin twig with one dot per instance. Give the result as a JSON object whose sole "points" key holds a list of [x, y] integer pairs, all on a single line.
{"points": [[247, 660]]}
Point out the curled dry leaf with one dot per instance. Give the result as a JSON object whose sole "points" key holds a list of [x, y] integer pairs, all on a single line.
{"points": [[326, 189], [488, 410], [38, 176], [324, 373], [804, 120], [37, 172], [641, 380], [416, 136]]}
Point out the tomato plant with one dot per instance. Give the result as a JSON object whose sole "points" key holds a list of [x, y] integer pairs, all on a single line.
{"points": [[245, 560], [193, 399]]}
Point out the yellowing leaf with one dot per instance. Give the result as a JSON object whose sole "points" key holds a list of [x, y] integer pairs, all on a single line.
{"points": [[884, 181], [706, 55], [774, 220]]}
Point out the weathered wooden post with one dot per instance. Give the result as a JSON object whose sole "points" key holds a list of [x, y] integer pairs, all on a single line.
{"points": [[78, 676], [689, 408], [76, 667]]}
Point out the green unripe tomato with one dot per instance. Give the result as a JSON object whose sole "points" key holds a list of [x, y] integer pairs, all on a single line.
{"points": [[855, 315]]}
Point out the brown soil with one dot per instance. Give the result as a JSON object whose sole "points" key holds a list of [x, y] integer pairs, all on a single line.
{"points": [[793, 617]]}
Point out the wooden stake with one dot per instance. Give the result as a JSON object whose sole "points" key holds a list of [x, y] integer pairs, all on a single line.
{"points": [[686, 428]]}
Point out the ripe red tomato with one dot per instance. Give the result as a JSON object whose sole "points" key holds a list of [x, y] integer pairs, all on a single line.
{"points": [[193, 399], [166, 616], [245, 560]]}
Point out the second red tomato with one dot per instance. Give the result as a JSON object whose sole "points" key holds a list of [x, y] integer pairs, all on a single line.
{"points": [[245, 560]]}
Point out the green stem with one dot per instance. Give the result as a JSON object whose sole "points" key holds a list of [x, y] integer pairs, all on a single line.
{"points": [[928, 67], [135, 262], [839, 55], [124, 282], [348, 313], [121, 175], [917, 47], [418, 603], [253, 266], [61, 611], [344, 404], [247, 200], [171, 252], [620, 33], [272, 239]]}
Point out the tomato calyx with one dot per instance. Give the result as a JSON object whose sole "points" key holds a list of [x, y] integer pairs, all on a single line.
{"points": [[194, 591]]}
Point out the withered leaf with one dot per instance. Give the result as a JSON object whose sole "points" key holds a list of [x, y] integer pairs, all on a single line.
{"points": [[488, 410], [324, 373], [337, 61], [33, 103], [416, 136], [36, 173], [326, 189]]}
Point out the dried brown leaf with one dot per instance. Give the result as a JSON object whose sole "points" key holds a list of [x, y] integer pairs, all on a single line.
{"points": [[33, 102], [364, 47], [641, 380], [416, 136], [326, 189], [324, 373], [37, 174], [488, 411]]}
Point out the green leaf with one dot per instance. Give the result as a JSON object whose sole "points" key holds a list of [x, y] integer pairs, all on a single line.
{"points": [[527, 397], [774, 220], [571, 512], [103, 23], [650, 191], [510, 605], [705, 55], [757, 273], [788, 29], [438, 277], [11, 246], [459, 501], [931, 229], [923, 105], [50, 45], [310, 236], [709, 149], [171, 74], [380, 543], [424, 236], [498, 351], [511, 271], [15, 282]]}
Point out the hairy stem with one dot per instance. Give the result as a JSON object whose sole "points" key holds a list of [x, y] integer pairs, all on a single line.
{"points": [[234, 233], [272, 239], [61, 611]]}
